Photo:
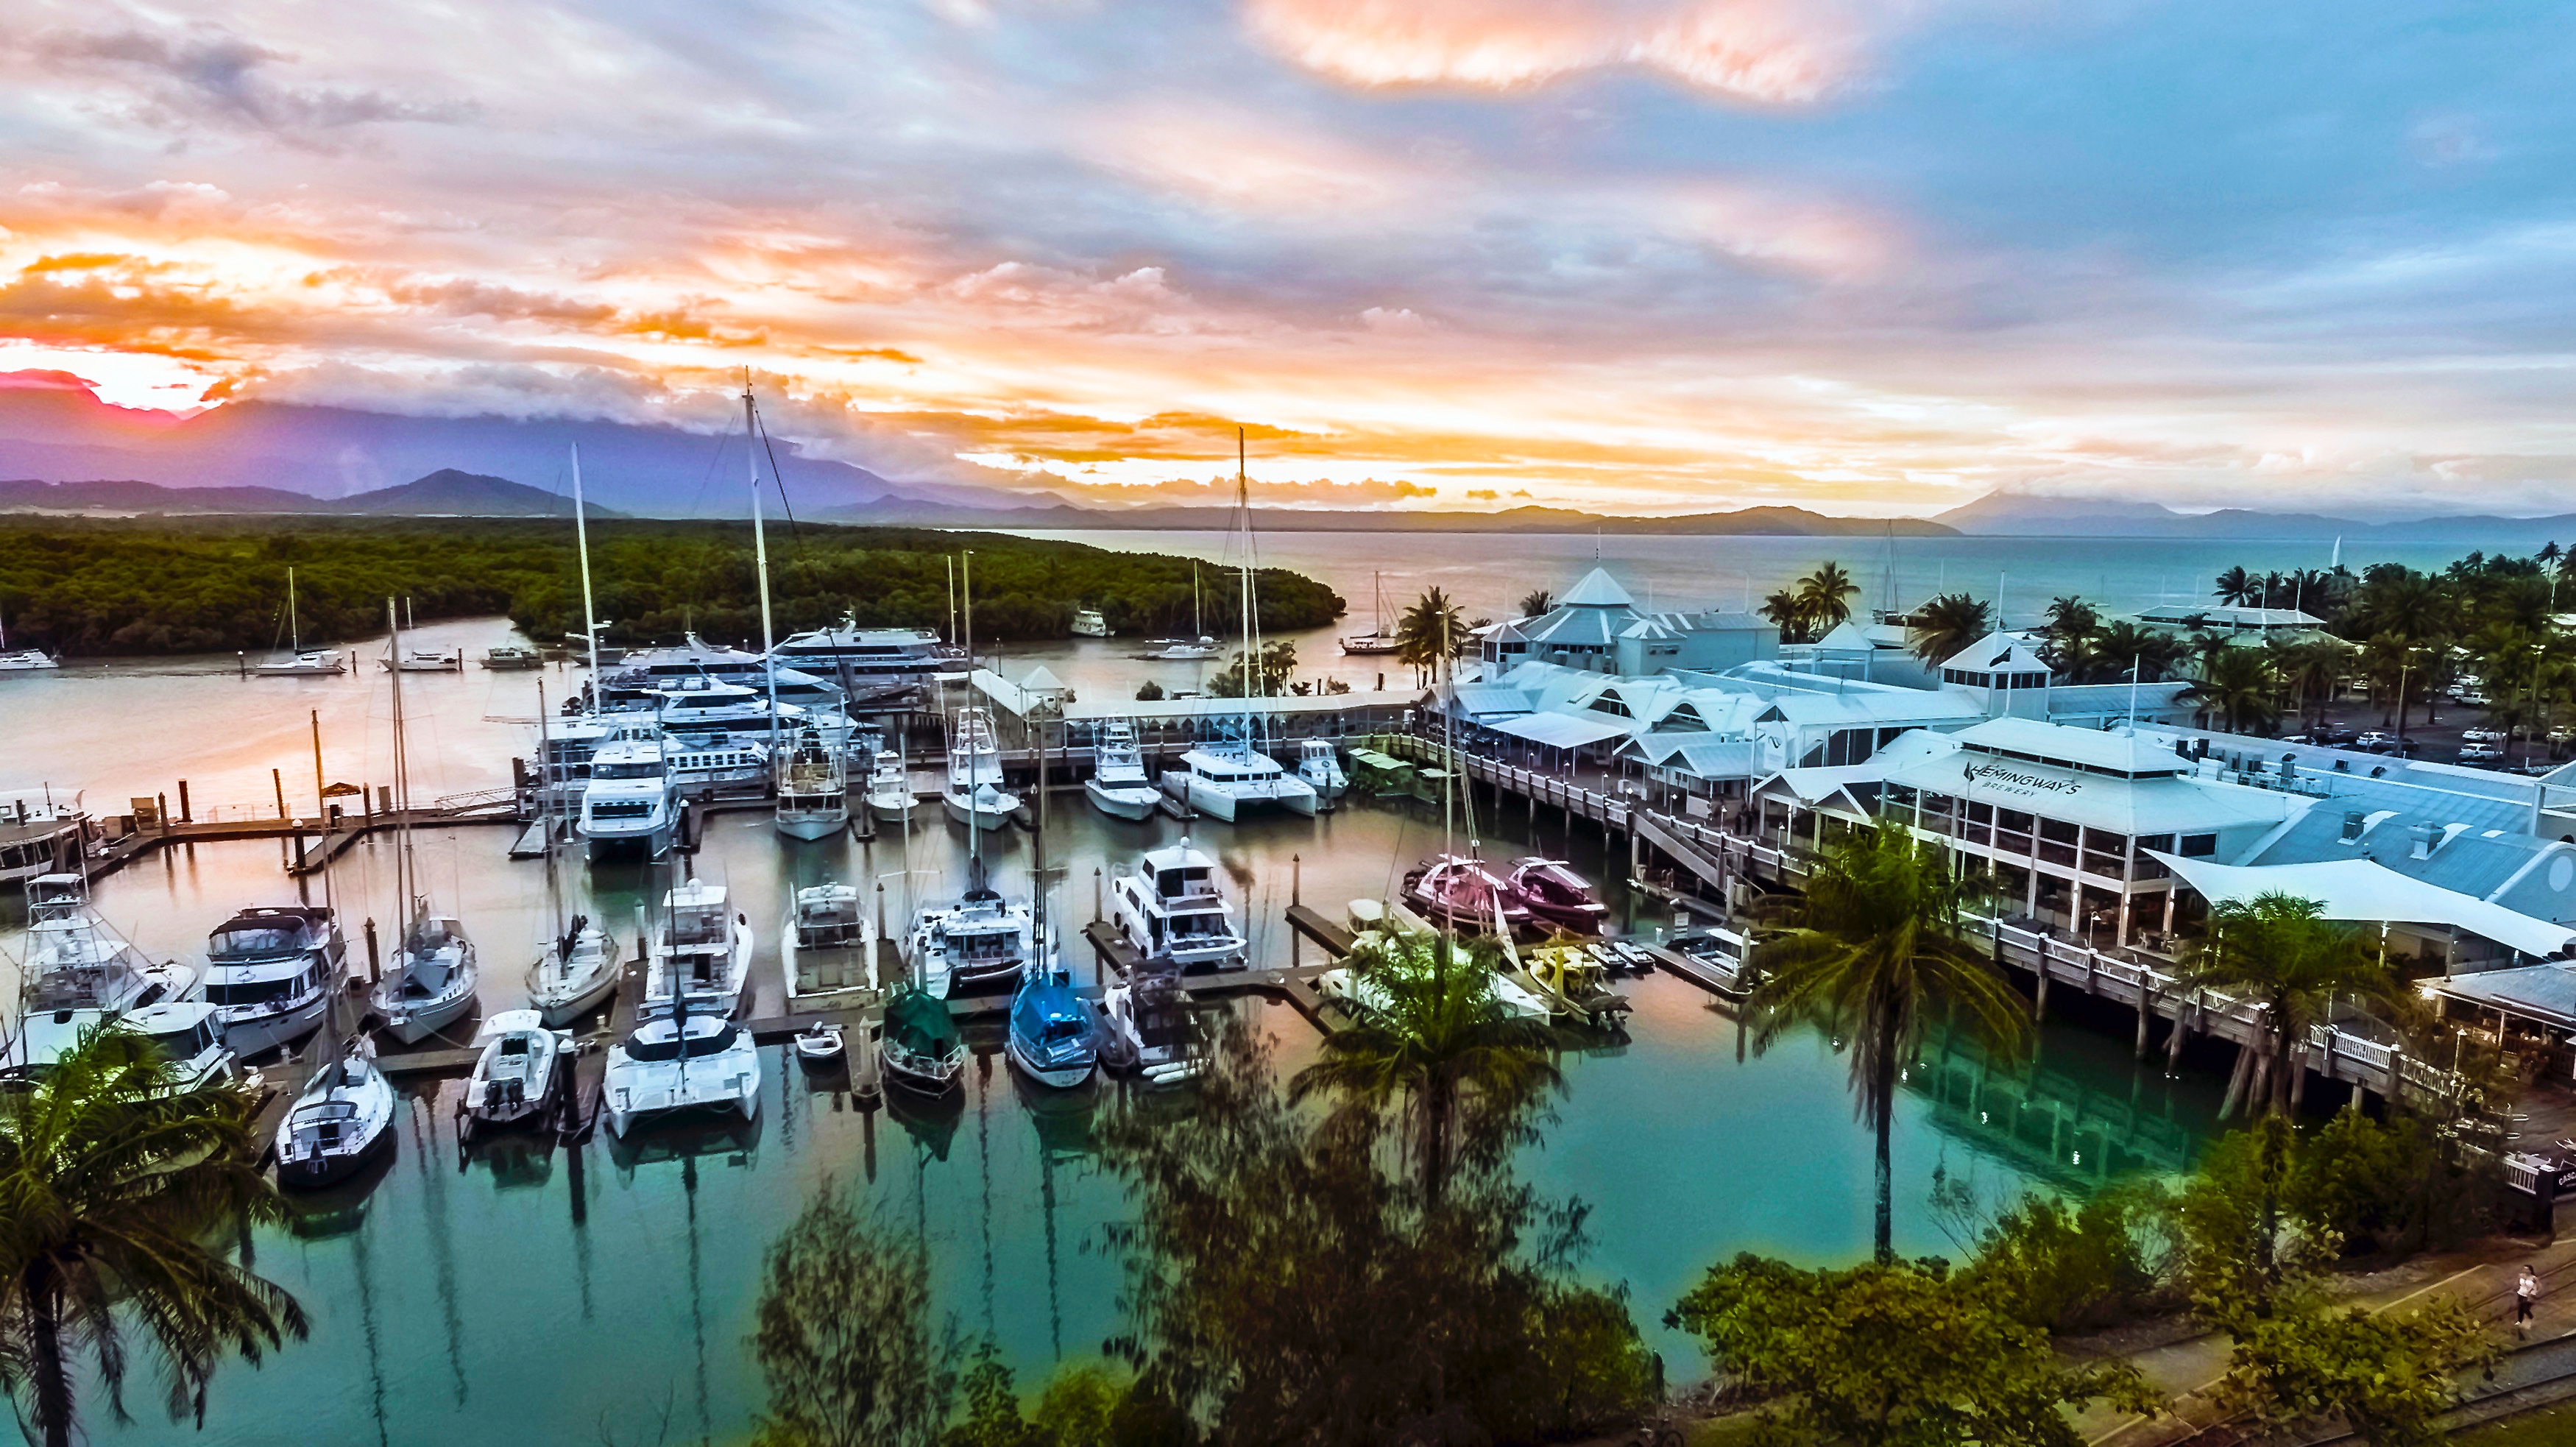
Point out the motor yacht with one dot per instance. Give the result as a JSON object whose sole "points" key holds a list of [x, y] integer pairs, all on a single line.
{"points": [[703, 951], [1225, 779], [826, 947], [983, 940], [1464, 894], [1088, 623], [629, 805], [516, 1076], [1151, 1015], [890, 796], [1555, 893], [1321, 768], [813, 797], [1169, 907], [78, 975], [1574, 985], [975, 796], [675, 1063], [426, 660], [510, 659], [269, 973], [23, 660], [1119, 786], [868, 657], [344, 1116], [1180, 650], [188, 1036], [432, 983]]}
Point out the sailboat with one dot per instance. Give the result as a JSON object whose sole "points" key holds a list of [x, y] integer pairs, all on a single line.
{"points": [[1185, 650], [681, 1061], [432, 983], [920, 1047], [24, 660], [1052, 1036], [812, 789], [344, 1117], [1377, 639], [296, 662], [1231, 774], [577, 971]]}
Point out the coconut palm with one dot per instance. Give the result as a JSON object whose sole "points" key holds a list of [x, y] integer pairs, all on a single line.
{"points": [[113, 1182], [1781, 608], [2125, 644], [1431, 632], [2237, 588], [1536, 602], [1871, 947], [2236, 686], [1945, 625], [1825, 597], [1440, 1047], [2307, 668], [2280, 952]]}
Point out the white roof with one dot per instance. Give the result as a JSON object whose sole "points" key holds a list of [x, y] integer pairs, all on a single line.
{"points": [[1042, 681], [2230, 616], [1562, 730], [1293, 705], [2367, 890], [2008, 652], [2165, 805], [2109, 752], [1597, 590]]}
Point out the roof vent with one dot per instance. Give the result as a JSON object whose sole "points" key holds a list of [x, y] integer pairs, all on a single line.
{"points": [[2351, 825], [2420, 841]]}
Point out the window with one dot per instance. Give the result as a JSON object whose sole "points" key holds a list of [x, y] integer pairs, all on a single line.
{"points": [[2199, 845]]}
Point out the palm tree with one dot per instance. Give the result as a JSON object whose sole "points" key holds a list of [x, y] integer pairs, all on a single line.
{"points": [[112, 1183], [1824, 597], [1872, 946], [2236, 685], [1537, 601], [2127, 644], [1440, 1043], [2237, 587], [1945, 625], [1431, 632], [2280, 952], [1782, 609]]}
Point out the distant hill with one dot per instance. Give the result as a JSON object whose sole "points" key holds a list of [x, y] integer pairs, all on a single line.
{"points": [[2009, 514], [444, 493], [1744, 522]]}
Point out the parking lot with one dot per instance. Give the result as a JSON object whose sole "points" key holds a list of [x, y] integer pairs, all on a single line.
{"points": [[2348, 722]]}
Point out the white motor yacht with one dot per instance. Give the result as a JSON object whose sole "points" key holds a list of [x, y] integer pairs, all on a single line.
{"points": [[575, 974], [1118, 786], [188, 1036], [1088, 623], [702, 950], [630, 805], [1180, 650], [975, 796], [826, 947], [1150, 1014], [515, 1078], [868, 656], [269, 973], [890, 795], [981, 940], [813, 796], [1321, 768], [675, 1063], [1169, 908], [427, 660], [79, 974], [1227, 778], [432, 983], [341, 1120]]}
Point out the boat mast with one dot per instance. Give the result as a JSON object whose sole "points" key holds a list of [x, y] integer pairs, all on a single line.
{"points": [[295, 635], [403, 867], [581, 542], [545, 808], [1255, 677], [760, 555], [974, 760]]}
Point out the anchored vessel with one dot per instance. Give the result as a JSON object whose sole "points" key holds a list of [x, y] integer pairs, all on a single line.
{"points": [[1118, 786], [432, 983], [703, 953], [514, 1079], [975, 794], [79, 975], [1554, 892], [269, 970], [824, 946], [1169, 907], [813, 799], [1377, 639], [340, 1121], [1053, 1037], [23, 660], [297, 661], [1088, 623], [680, 1062]]}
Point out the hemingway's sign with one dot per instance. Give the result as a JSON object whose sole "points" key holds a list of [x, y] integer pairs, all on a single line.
{"points": [[2014, 781]]}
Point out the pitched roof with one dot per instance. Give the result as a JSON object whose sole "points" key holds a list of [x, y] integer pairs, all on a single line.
{"points": [[1597, 590], [1996, 650], [2099, 750]]}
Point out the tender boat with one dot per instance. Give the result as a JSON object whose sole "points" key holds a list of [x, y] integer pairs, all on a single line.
{"points": [[516, 1077], [1720, 957], [509, 659], [1169, 907], [189, 1036], [1555, 893], [975, 796], [825, 947], [1321, 768], [1227, 778], [703, 952], [432, 983], [1118, 785], [890, 795], [813, 797], [1464, 894], [1574, 985], [1088, 623], [1053, 1036], [819, 1043], [630, 805], [269, 971], [340, 1121], [574, 975], [1151, 1015], [680, 1062], [920, 1047], [982, 940], [79, 974], [427, 660]]}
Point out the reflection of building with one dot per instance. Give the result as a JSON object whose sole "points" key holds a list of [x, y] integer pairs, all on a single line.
{"points": [[2049, 1123]]}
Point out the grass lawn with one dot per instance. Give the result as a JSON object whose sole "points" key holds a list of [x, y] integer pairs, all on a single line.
{"points": [[2548, 1427]]}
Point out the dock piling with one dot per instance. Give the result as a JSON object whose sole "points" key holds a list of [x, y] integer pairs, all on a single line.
{"points": [[278, 781], [185, 817]]}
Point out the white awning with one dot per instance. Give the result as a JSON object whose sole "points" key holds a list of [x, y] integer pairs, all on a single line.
{"points": [[1560, 730], [2367, 890]]}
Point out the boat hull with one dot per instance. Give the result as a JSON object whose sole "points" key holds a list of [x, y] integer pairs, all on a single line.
{"points": [[891, 809], [1134, 803], [313, 1173], [603, 848], [1053, 1077], [417, 1023], [260, 1034], [974, 818], [1228, 806], [812, 825], [919, 1076], [564, 1010]]}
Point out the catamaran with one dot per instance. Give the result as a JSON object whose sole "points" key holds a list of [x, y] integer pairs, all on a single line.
{"points": [[1228, 775], [682, 1061], [1170, 908], [297, 662], [432, 983], [1118, 786], [1377, 639]]}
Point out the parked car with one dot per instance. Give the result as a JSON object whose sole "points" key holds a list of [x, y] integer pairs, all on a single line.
{"points": [[2335, 734], [2481, 753], [2482, 736], [2376, 741]]}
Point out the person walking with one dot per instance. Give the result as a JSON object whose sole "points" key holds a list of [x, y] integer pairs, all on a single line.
{"points": [[2526, 1295]]}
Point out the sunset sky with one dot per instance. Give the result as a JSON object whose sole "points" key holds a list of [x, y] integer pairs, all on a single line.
{"points": [[1635, 255]]}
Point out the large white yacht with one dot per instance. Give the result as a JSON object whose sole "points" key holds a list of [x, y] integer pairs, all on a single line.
{"points": [[975, 795], [1169, 908], [675, 1063], [703, 950], [813, 794], [1227, 778], [79, 974], [269, 973], [629, 806], [1118, 786], [850, 654]]}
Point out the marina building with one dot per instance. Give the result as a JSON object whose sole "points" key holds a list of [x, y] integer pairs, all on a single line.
{"points": [[2242, 627]]}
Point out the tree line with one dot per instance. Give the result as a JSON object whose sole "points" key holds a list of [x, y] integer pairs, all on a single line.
{"points": [[90, 587]]}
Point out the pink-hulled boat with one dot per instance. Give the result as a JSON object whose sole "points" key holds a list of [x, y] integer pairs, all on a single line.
{"points": [[1558, 895], [1464, 893]]}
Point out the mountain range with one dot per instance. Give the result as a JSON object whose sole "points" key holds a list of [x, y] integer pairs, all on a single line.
{"points": [[2012, 514], [444, 493]]}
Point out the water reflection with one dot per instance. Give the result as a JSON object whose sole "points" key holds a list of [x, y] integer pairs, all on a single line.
{"points": [[2067, 1127]]}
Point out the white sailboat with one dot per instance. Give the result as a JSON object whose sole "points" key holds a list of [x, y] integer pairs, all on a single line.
{"points": [[1118, 786], [576, 972], [297, 662], [1185, 650], [1377, 639], [1226, 776], [432, 983], [680, 1062]]}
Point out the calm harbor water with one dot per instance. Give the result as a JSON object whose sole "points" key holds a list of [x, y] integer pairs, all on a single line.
{"points": [[525, 1293]]}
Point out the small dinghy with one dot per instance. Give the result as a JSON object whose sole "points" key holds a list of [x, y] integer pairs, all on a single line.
{"points": [[819, 1044], [514, 1078], [338, 1124]]}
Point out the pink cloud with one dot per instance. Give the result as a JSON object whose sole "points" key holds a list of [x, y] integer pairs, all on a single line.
{"points": [[1774, 51]]}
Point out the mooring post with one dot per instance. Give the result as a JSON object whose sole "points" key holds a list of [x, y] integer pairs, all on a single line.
{"points": [[1296, 880], [278, 780], [2039, 1001], [161, 811], [184, 816], [2146, 1014], [375, 970], [1096, 913]]}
